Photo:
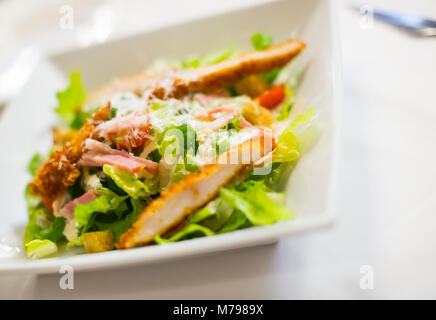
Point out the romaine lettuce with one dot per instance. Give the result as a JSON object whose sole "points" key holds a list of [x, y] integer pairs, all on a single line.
{"points": [[70, 101], [120, 226], [261, 41], [253, 201], [131, 184], [37, 249], [287, 146]]}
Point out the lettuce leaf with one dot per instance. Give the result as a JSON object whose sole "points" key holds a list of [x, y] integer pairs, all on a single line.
{"points": [[217, 57], [70, 101], [261, 41], [35, 163], [108, 201], [270, 76], [41, 225], [52, 231], [55, 232], [37, 248], [195, 61], [301, 119], [287, 149], [236, 221], [190, 230], [131, 184], [120, 226], [83, 212], [253, 201], [287, 105]]}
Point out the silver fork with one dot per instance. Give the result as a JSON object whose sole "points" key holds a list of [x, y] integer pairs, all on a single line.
{"points": [[414, 24]]}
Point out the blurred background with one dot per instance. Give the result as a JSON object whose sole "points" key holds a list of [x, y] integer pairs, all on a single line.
{"points": [[386, 193]]}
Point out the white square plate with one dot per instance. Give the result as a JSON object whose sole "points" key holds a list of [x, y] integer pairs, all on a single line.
{"points": [[24, 128]]}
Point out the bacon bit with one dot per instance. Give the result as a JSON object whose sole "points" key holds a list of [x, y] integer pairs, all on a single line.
{"points": [[100, 154], [272, 98]]}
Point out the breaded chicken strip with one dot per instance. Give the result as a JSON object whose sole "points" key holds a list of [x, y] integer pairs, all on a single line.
{"points": [[175, 84], [195, 191], [60, 169]]}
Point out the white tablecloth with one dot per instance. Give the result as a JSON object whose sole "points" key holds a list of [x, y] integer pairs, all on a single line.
{"points": [[386, 199]]}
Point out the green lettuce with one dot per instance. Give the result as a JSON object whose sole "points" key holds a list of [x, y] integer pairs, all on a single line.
{"points": [[35, 163], [108, 201], [130, 184], [118, 227], [261, 41], [42, 225], [195, 61], [270, 76], [283, 112], [187, 231], [219, 56], [70, 102], [37, 249], [83, 212], [236, 221], [196, 226], [253, 201], [287, 149]]}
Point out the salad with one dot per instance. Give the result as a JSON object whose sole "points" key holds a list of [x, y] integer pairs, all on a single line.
{"points": [[192, 149]]}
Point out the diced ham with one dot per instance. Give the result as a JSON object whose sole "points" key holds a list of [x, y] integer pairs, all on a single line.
{"points": [[68, 209], [226, 119], [134, 120], [99, 154], [128, 132], [220, 122]]}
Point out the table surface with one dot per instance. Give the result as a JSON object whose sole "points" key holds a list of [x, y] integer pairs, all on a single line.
{"points": [[386, 199]]}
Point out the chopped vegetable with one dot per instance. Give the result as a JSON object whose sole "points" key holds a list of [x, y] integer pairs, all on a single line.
{"points": [[83, 212], [35, 163], [70, 102], [287, 149], [195, 61], [131, 184], [37, 249], [273, 97], [118, 227], [255, 204], [283, 112], [261, 41], [189, 230]]}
